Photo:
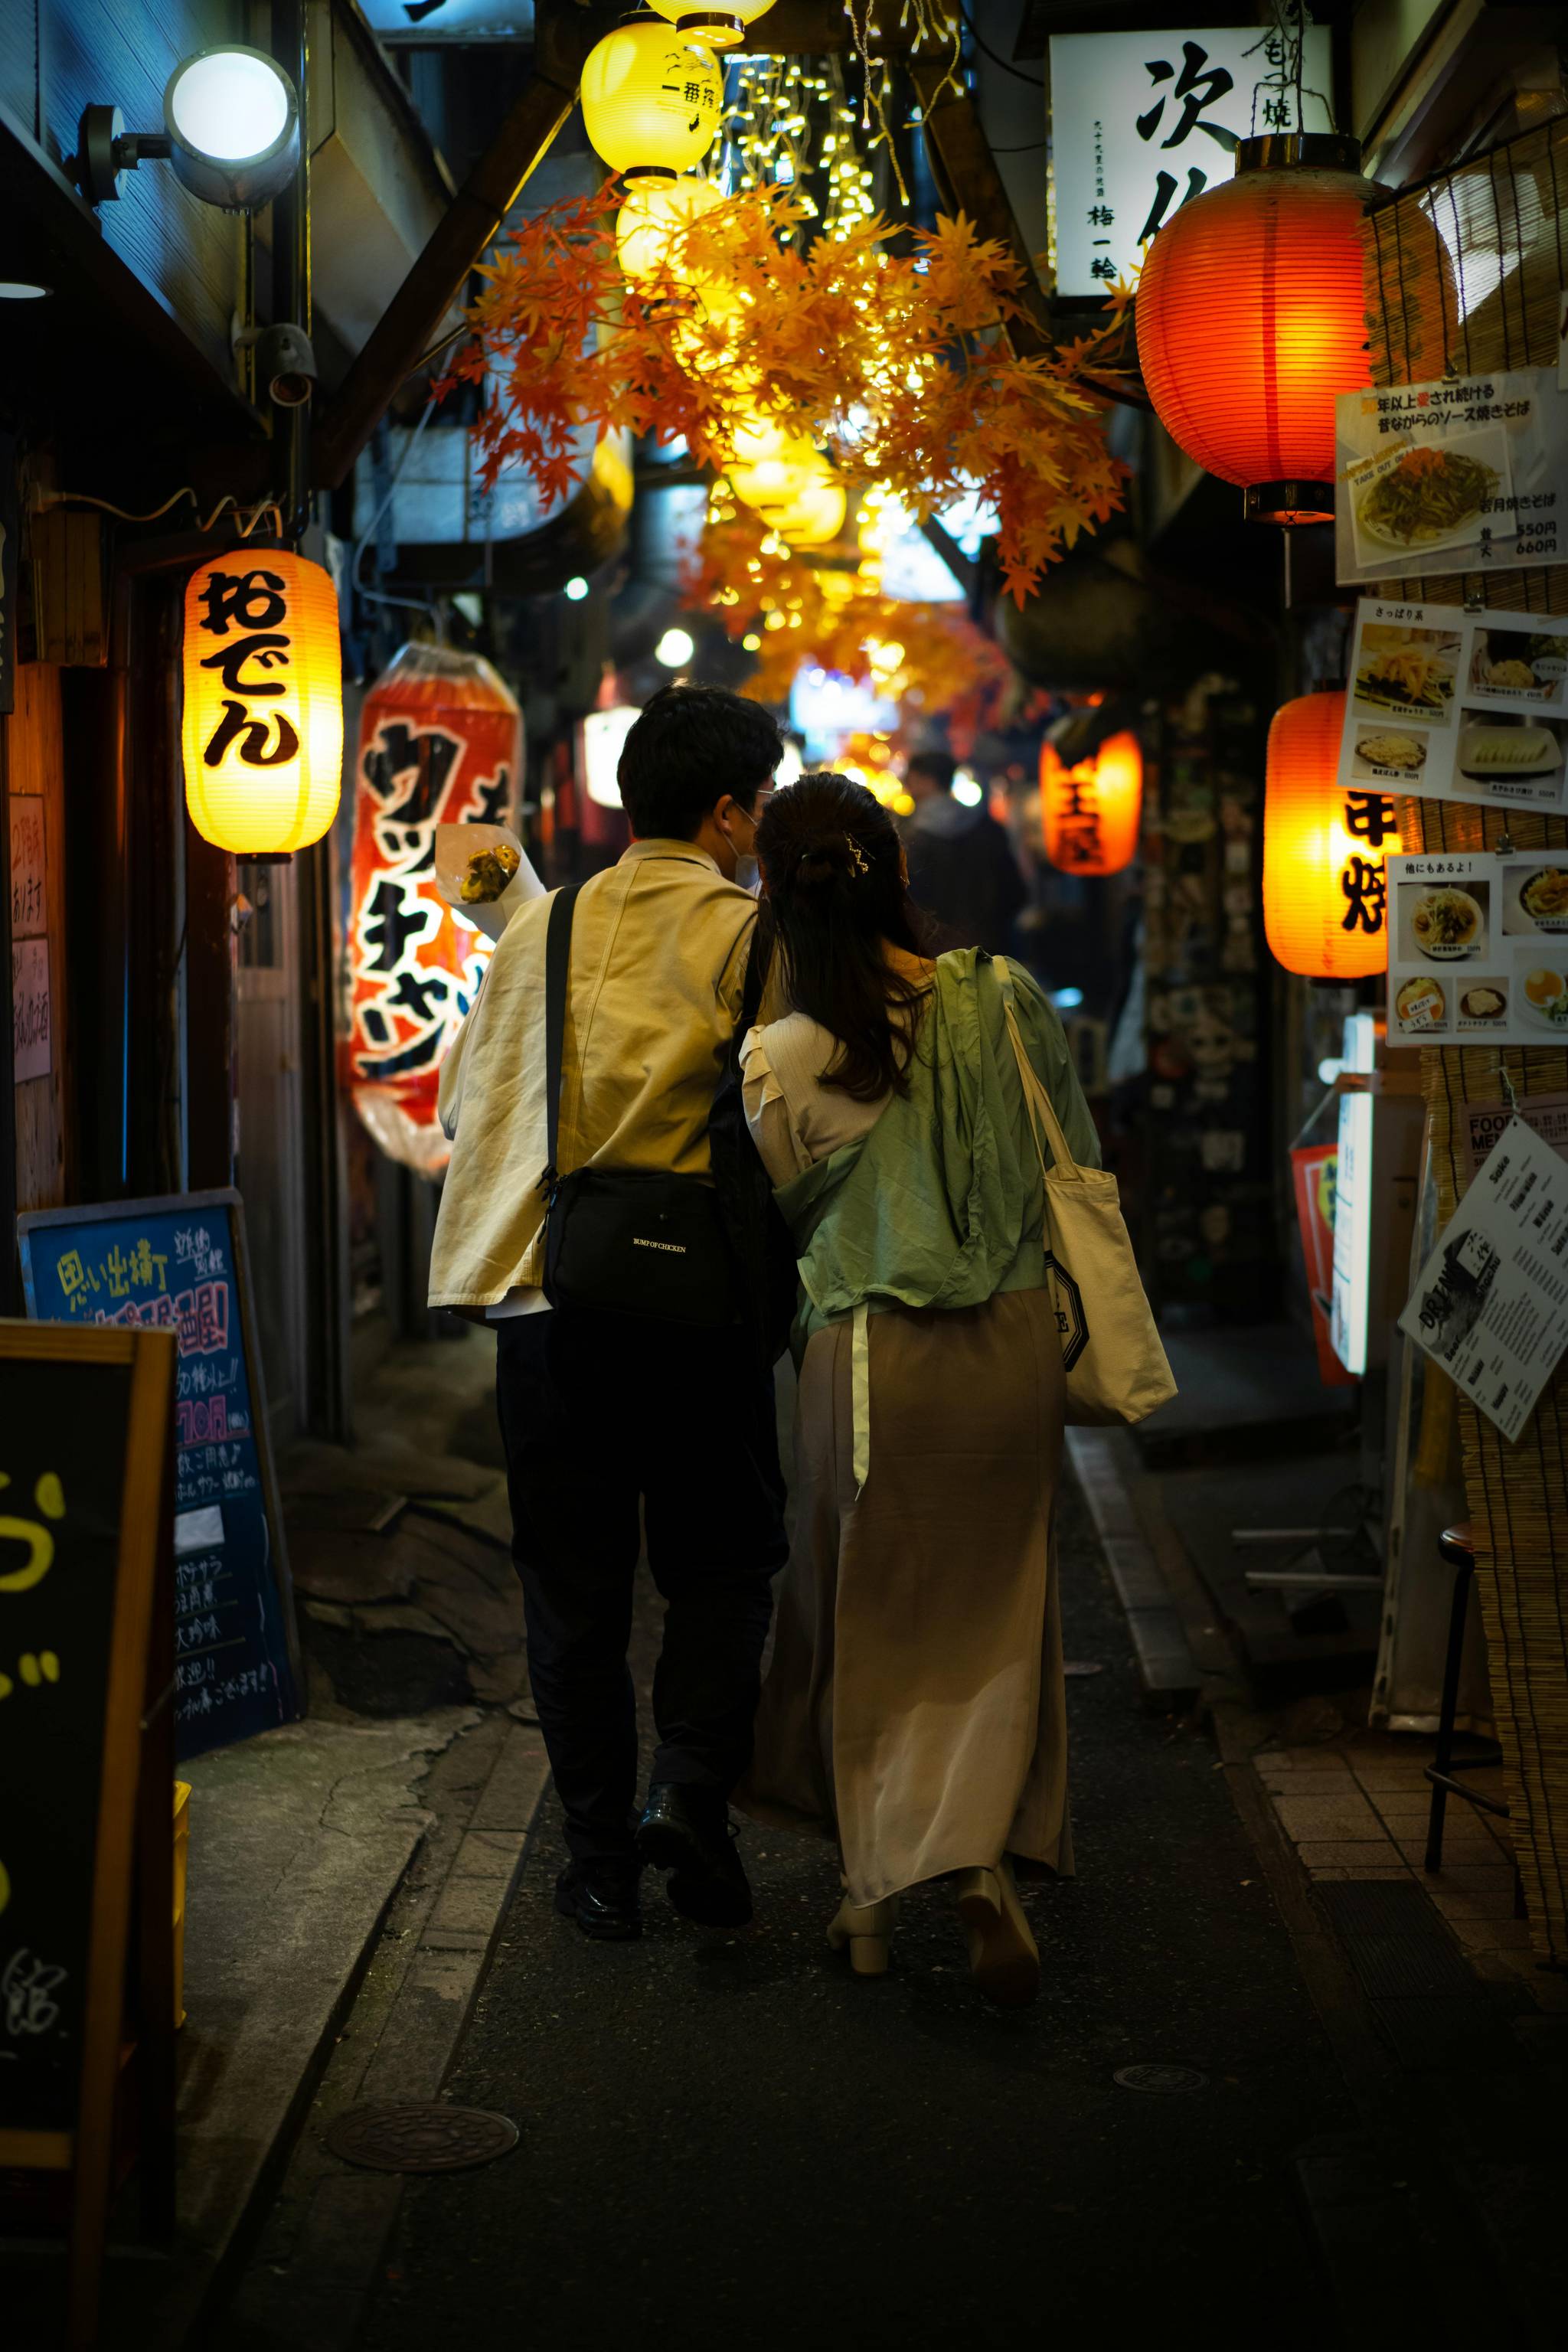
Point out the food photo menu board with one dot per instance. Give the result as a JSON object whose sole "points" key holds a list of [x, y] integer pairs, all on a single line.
{"points": [[1479, 948], [1461, 475], [1446, 704]]}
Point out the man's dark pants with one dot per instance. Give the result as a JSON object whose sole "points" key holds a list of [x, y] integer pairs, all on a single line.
{"points": [[598, 1413]]}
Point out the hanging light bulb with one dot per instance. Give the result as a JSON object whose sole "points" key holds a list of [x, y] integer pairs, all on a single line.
{"points": [[651, 99], [1252, 320], [789, 483], [720, 28], [1325, 893]]}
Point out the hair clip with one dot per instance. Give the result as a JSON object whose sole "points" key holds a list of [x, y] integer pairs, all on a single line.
{"points": [[858, 856]]}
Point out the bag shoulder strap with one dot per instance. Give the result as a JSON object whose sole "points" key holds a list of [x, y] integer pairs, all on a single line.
{"points": [[557, 979], [1036, 1094], [758, 963]]}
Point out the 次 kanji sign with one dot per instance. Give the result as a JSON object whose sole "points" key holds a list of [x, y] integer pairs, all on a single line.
{"points": [[1142, 121]]}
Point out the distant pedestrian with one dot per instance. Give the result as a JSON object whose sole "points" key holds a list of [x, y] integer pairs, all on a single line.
{"points": [[914, 1707], [963, 866], [609, 1414]]}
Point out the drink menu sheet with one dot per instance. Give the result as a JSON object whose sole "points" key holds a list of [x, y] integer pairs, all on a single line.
{"points": [[1447, 704], [1490, 1304]]}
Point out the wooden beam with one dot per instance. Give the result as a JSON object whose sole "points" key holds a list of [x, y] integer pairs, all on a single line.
{"points": [[408, 326]]}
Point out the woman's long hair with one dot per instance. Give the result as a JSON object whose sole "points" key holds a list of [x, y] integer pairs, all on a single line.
{"points": [[832, 871]]}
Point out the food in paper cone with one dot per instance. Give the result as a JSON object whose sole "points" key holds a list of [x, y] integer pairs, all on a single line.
{"points": [[486, 874]]}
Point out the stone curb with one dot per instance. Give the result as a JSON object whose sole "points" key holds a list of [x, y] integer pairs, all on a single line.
{"points": [[1166, 1669]]}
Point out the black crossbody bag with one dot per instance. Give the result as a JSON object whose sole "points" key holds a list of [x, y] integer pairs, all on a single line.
{"points": [[625, 1241]]}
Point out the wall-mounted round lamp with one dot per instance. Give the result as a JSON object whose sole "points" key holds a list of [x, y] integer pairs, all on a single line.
{"points": [[231, 131], [675, 649]]}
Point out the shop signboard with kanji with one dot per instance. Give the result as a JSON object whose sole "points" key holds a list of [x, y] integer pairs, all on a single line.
{"points": [[1463, 475], [180, 1265], [1140, 122]]}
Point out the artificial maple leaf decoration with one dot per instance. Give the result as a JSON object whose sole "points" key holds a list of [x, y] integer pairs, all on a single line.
{"points": [[897, 363]]}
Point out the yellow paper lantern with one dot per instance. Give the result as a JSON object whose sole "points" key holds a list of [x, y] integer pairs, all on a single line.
{"points": [[1090, 814], [721, 28], [263, 728], [651, 244], [1325, 892], [791, 485], [651, 99]]}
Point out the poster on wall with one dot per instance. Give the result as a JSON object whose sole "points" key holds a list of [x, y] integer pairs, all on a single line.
{"points": [[1478, 947], [1447, 704], [1490, 1304], [1461, 475], [1141, 122]]}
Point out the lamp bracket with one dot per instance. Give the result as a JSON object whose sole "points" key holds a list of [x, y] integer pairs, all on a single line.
{"points": [[105, 149]]}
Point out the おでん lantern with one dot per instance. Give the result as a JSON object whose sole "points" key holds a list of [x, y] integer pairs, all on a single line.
{"points": [[1090, 814], [440, 743], [721, 28], [263, 726], [1325, 895], [651, 99], [1251, 320]]}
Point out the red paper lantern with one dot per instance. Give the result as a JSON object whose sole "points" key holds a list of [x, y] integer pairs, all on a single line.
{"points": [[1325, 891], [1090, 814], [1252, 319], [440, 743]]}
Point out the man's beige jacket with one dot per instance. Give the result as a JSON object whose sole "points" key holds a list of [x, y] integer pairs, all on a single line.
{"points": [[660, 945]]}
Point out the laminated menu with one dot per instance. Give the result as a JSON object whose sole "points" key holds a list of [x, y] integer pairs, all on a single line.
{"points": [[1477, 947], [1490, 1304], [1464, 474], [1447, 704]]}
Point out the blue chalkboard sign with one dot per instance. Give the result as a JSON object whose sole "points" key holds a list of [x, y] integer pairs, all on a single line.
{"points": [[180, 1265]]}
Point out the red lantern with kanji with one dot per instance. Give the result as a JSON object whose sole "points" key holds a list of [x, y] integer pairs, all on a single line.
{"points": [[1325, 891], [1090, 814], [440, 743], [1252, 320]]}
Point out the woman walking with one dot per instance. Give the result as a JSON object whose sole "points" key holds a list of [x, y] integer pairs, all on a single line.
{"points": [[914, 1709]]}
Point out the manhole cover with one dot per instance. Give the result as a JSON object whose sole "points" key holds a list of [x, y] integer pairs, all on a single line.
{"points": [[410, 2138], [1161, 2078]]}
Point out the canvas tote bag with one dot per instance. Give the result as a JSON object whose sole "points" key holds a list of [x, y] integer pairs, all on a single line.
{"points": [[1116, 1368]]}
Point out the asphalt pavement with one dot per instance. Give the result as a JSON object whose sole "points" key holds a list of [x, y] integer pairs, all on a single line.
{"points": [[730, 2139]]}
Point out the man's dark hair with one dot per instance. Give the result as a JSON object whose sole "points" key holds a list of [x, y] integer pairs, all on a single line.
{"points": [[691, 745], [939, 766]]}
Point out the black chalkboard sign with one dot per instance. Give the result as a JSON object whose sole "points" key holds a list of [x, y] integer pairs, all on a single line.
{"points": [[86, 1691], [180, 1265]]}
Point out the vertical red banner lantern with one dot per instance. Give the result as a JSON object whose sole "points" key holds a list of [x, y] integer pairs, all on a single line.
{"points": [[440, 743], [1090, 814]]}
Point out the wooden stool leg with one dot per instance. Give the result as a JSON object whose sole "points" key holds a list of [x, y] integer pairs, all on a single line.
{"points": [[1442, 1762]]}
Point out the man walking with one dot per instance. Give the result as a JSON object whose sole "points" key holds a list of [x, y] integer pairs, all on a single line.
{"points": [[605, 1415], [962, 865]]}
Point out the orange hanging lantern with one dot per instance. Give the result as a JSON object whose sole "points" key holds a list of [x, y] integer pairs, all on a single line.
{"points": [[440, 743], [1325, 892], [263, 734], [1090, 814], [1252, 319]]}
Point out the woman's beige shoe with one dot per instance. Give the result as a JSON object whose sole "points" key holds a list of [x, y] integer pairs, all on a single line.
{"points": [[867, 1928], [1004, 1956]]}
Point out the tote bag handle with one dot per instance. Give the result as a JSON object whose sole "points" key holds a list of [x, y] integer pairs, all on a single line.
{"points": [[1037, 1094]]}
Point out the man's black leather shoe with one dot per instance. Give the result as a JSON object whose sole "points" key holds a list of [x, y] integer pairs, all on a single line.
{"points": [[686, 1832], [604, 1903]]}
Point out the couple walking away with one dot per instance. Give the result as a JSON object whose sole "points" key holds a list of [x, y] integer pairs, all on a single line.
{"points": [[913, 1709]]}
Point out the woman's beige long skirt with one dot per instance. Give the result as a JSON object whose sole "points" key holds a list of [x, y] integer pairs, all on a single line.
{"points": [[914, 1707]]}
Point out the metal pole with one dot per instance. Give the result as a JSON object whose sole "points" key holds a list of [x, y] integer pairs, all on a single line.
{"points": [[291, 273]]}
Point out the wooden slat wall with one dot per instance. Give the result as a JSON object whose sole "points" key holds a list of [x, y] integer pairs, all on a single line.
{"points": [[59, 56], [1489, 299], [34, 767]]}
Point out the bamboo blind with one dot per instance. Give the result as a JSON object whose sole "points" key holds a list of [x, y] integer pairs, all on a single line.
{"points": [[1465, 273]]}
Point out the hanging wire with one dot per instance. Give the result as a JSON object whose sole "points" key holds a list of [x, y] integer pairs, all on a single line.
{"points": [[375, 595], [1283, 45], [248, 518]]}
